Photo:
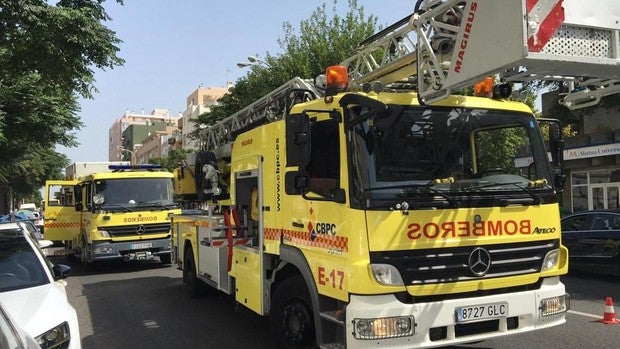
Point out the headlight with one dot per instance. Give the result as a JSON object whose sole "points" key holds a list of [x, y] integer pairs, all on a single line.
{"points": [[103, 234], [54, 337], [554, 305], [387, 274], [387, 327], [103, 249], [551, 260]]}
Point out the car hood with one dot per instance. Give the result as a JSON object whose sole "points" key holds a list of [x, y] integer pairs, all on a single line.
{"points": [[38, 309]]}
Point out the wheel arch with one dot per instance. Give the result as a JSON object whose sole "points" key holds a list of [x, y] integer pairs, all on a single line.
{"points": [[293, 263]]}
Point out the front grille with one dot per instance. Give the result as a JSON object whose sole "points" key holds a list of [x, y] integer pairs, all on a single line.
{"points": [[444, 265], [126, 230], [471, 329]]}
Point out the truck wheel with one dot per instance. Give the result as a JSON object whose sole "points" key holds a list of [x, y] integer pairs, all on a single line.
{"points": [[195, 287], [291, 314], [165, 258]]}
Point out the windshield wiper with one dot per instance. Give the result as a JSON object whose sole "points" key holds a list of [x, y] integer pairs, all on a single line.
{"points": [[116, 206], [427, 186], [157, 205], [537, 198]]}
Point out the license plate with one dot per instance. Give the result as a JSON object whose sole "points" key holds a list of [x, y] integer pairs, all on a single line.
{"points": [[140, 245], [481, 312]]}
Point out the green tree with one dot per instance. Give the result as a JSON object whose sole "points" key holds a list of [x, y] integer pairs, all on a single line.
{"points": [[175, 157], [571, 119], [47, 56], [324, 39]]}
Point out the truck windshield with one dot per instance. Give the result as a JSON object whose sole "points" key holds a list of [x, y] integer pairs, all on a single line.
{"points": [[129, 193], [450, 156]]}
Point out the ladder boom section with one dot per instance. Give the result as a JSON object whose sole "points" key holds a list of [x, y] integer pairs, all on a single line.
{"points": [[388, 56], [450, 44], [273, 106]]}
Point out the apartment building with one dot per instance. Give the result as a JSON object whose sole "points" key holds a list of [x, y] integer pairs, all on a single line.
{"points": [[127, 132], [200, 101]]}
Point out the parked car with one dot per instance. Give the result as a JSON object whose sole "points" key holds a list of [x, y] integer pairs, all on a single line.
{"points": [[31, 228], [12, 335], [593, 241], [32, 290]]}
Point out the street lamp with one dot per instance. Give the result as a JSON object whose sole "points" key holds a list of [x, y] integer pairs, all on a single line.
{"points": [[253, 60], [133, 155]]}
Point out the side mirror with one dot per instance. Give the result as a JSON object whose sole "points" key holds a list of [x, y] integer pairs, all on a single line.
{"points": [[61, 271], [77, 194], [297, 139], [559, 180], [79, 207], [339, 196], [556, 140], [296, 182]]}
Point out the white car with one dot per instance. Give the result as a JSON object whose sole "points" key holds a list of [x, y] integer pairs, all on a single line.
{"points": [[32, 291], [12, 336]]}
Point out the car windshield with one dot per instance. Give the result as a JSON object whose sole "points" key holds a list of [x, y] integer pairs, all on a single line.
{"points": [[451, 155], [135, 191], [19, 265]]}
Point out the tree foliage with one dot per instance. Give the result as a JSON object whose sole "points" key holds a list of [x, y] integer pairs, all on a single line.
{"points": [[324, 39], [571, 119], [47, 56], [175, 157]]}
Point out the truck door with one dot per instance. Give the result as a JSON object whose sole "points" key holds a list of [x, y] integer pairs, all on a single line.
{"points": [[317, 220], [62, 222], [248, 258]]}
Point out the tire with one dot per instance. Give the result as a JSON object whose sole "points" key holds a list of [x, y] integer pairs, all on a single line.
{"points": [[290, 316], [165, 258], [88, 266], [195, 287]]}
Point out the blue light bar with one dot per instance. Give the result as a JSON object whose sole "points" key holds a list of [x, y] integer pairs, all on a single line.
{"points": [[134, 167]]}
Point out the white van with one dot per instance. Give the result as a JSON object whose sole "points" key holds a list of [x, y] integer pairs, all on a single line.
{"points": [[29, 206]]}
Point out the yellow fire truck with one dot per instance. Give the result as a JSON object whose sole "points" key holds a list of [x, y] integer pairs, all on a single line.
{"points": [[379, 211], [111, 211]]}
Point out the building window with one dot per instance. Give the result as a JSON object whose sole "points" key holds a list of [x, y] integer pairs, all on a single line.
{"points": [[579, 186], [595, 190]]}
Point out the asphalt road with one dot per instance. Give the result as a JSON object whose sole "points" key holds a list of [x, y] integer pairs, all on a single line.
{"points": [[144, 305]]}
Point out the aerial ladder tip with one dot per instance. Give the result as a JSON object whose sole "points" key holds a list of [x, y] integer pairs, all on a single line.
{"points": [[446, 45]]}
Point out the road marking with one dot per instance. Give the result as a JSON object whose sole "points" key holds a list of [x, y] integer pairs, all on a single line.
{"points": [[584, 314]]}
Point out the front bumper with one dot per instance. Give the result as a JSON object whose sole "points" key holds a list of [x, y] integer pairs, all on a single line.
{"points": [[131, 250], [435, 322]]}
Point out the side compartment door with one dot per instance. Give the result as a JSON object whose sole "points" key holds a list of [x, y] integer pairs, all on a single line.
{"points": [[248, 258], [62, 222]]}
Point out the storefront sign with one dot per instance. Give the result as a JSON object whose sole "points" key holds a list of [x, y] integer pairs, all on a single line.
{"points": [[592, 151]]}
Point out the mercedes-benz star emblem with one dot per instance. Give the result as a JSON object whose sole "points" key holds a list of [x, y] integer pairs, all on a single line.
{"points": [[479, 261], [140, 230]]}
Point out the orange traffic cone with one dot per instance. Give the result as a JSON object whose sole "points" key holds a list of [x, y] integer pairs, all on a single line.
{"points": [[609, 317]]}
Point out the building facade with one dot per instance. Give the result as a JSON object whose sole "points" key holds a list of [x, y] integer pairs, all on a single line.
{"points": [[128, 131], [200, 101], [591, 160], [155, 145]]}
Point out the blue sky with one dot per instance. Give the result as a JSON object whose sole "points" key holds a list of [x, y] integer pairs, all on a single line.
{"points": [[170, 47]]}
